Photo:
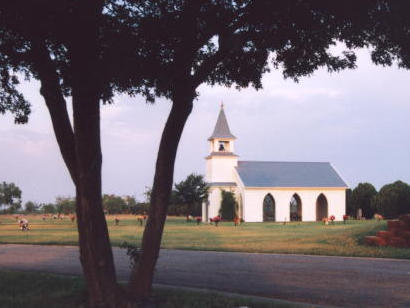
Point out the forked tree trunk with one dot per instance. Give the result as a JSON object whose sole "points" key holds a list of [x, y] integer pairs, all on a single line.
{"points": [[141, 278], [81, 152], [82, 155]]}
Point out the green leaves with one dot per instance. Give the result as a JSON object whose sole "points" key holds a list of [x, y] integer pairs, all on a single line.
{"points": [[393, 200], [10, 196], [229, 205], [133, 252], [10, 98], [362, 197], [192, 191]]}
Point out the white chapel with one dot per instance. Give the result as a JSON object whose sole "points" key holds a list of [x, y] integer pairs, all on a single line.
{"points": [[270, 190]]}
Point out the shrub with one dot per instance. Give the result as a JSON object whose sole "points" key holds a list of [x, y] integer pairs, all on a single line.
{"points": [[229, 206]]}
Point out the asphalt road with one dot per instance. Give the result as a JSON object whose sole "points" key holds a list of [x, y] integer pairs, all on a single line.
{"points": [[335, 281]]}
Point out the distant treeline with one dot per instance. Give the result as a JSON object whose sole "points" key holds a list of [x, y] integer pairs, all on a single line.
{"points": [[391, 201], [186, 199], [112, 204]]}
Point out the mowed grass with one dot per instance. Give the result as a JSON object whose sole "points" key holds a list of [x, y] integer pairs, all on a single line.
{"points": [[293, 238]]}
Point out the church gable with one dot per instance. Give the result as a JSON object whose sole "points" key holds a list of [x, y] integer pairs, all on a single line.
{"points": [[288, 174]]}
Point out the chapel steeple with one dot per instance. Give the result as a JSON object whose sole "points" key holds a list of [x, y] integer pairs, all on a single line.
{"points": [[221, 129], [222, 140], [221, 160]]}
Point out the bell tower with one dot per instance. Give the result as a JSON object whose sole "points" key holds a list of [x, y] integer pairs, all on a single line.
{"points": [[220, 165], [221, 159]]}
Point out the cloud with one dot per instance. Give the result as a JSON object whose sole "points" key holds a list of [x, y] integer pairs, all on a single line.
{"points": [[26, 142]]}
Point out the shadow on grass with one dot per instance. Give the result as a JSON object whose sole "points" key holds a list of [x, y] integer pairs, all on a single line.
{"points": [[38, 290], [21, 289]]}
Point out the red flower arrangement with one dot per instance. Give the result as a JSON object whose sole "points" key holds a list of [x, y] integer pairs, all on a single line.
{"points": [[216, 220], [345, 217], [332, 218]]}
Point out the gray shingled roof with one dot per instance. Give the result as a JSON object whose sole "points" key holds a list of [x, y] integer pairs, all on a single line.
{"points": [[221, 128], [288, 174]]}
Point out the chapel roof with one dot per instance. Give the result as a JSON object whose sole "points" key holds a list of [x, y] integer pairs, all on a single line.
{"points": [[221, 129], [288, 174]]}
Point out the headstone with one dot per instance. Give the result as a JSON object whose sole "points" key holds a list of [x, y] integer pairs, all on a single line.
{"points": [[359, 214]]}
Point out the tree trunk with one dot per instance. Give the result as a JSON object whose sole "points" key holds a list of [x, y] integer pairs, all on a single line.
{"points": [[142, 276], [95, 248]]}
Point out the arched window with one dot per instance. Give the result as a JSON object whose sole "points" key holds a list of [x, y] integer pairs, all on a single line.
{"points": [[268, 208], [295, 208], [321, 207]]}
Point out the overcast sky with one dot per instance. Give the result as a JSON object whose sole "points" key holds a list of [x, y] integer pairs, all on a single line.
{"points": [[358, 120]]}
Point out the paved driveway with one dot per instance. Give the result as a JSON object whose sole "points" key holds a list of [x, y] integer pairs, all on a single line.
{"points": [[338, 281]]}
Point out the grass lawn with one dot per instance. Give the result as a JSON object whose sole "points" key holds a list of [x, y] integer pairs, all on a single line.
{"points": [[22, 289], [296, 238]]}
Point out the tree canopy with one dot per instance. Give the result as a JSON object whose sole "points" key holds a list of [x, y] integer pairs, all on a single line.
{"points": [[10, 197], [114, 204], [229, 205], [65, 205], [393, 200], [148, 46], [192, 191], [48, 208], [361, 198], [31, 207]]}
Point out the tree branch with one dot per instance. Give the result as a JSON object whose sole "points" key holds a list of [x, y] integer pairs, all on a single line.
{"points": [[228, 40], [56, 104]]}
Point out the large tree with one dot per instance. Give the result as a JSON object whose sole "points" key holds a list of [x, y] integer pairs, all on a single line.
{"points": [[65, 205], [361, 198], [192, 191], [48, 208], [87, 50], [393, 200], [60, 44], [114, 204], [10, 197], [31, 207]]}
